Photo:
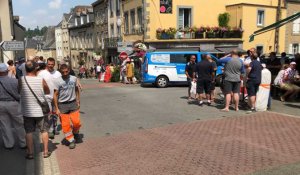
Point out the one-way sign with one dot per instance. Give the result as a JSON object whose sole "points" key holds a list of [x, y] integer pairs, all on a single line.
{"points": [[12, 45]]}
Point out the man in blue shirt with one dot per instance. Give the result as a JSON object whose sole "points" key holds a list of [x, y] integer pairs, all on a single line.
{"points": [[233, 72], [253, 80]]}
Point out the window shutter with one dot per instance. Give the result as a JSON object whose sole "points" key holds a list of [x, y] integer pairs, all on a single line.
{"points": [[180, 19], [291, 49]]}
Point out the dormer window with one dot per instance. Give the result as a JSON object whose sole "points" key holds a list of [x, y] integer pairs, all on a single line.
{"points": [[81, 20], [76, 23], [88, 18]]}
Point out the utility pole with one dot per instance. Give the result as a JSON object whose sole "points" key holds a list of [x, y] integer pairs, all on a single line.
{"points": [[278, 17]]}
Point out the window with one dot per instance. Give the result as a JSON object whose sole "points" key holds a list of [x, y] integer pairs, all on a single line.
{"points": [[260, 17], [296, 26], [259, 50], [119, 31], [87, 18], [81, 20], [140, 18], [111, 30], [132, 19], [126, 22], [111, 8], [179, 58], [295, 48], [184, 18], [117, 7]]}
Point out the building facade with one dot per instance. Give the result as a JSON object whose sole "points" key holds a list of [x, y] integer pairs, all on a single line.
{"points": [[81, 31], [292, 33], [100, 8], [10, 30]]}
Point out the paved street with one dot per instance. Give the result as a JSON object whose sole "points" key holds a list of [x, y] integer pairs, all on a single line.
{"points": [[132, 130]]}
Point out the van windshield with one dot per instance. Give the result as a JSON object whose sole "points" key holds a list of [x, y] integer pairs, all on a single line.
{"points": [[171, 58]]}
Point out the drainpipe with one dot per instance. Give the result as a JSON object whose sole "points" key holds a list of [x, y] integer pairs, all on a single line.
{"points": [[278, 16], [1, 52], [144, 23]]}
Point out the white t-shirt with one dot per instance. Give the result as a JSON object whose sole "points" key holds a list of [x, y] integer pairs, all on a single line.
{"points": [[49, 80], [55, 74], [248, 60]]}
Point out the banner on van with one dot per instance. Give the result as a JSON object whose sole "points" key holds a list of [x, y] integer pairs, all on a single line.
{"points": [[160, 58]]}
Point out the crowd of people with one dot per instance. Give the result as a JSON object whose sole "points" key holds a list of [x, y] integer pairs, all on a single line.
{"points": [[34, 95], [242, 76]]}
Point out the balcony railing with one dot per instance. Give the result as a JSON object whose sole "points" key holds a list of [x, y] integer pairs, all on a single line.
{"points": [[112, 42]]}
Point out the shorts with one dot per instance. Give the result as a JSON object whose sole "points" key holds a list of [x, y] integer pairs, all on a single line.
{"points": [[289, 87], [252, 88], [31, 123], [234, 87], [203, 85]]}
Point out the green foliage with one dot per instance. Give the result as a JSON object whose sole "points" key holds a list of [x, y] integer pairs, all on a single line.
{"points": [[115, 77], [223, 19], [137, 74], [36, 32]]}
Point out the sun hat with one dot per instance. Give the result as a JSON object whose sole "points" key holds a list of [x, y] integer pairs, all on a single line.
{"points": [[293, 63]]}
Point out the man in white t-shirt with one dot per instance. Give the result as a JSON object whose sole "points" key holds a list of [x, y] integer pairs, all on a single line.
{"points": [[51, 75]]}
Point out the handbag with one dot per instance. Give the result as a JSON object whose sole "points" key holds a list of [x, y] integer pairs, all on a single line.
{"points": [[17, 99], [44, 105]]}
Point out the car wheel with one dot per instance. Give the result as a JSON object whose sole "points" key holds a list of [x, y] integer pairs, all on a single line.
{"points": [[219, 80], [162, 81]]}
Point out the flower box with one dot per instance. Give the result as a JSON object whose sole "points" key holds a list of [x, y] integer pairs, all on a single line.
{"points": [[199, 35], [211, 35], [232, 34]]}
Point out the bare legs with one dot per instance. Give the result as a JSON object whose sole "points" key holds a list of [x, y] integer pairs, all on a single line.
{"points": [[236, 99], [29, 142]]}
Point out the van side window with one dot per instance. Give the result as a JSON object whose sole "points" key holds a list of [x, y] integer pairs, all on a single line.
{"points": [[177, 58], [188, 56]]}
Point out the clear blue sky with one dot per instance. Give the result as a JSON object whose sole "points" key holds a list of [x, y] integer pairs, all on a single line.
{"points": [[44, 12]]}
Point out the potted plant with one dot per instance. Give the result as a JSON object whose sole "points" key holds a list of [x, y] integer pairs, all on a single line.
{"points": [[223, 19], [236, 32], [200, 33], [171, 31], [210, 32], [158, 33], [224, 32]]}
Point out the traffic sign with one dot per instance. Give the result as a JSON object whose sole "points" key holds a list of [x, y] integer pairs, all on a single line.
{"points": [[12, 45], [123, 56], [125, 46]]}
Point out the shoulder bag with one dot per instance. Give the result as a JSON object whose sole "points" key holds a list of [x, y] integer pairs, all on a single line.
{"points": [[44, 105], [9, 93]]}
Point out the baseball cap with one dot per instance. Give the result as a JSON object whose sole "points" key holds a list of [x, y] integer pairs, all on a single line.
{"points": [[293, 63], [3, 67]]}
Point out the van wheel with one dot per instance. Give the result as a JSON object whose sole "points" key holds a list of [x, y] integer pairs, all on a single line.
{"points": [[219, 80], [162, 82]]}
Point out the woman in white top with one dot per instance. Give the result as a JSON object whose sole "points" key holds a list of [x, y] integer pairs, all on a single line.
{"points": [[11, 69], [280, 74]]}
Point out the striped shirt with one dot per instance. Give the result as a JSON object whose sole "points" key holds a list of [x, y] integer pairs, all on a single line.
{"points": [[29, 104]]}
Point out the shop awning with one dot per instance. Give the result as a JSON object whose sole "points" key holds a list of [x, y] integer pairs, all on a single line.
{"points": [[229, 49], [274, 25], [211, 51]]}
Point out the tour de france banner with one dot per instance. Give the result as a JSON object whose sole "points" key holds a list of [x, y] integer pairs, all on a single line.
{"points": [[165, 6]]}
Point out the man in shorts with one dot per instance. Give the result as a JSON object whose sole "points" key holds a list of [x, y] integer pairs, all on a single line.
{"points": [[233, 72], [205, 75], [67, 102], [31, 109], [253, 80]]}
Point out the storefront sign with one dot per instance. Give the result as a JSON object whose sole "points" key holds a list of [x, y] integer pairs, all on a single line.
{"points": [[125, 46], [166, 6]]}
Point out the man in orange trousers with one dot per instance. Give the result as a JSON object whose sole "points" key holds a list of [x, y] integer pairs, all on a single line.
{"points": [[67, 102]]}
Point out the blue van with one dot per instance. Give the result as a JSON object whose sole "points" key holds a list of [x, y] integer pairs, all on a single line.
{"points": [[164, 66]]}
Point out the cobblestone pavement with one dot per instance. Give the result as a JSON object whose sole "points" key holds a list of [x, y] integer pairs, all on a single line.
{"points": [[233, 145]]}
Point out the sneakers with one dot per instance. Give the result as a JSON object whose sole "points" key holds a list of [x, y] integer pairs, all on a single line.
{"points": [[251, 110], [77, 138], [200, 103], [72, 144]]}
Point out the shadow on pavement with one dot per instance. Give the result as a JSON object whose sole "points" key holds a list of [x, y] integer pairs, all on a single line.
{"points": [[293, 105]]}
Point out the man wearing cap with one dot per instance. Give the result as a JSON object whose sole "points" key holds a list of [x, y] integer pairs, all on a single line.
{"points": [[10, 114], [286, 83]]}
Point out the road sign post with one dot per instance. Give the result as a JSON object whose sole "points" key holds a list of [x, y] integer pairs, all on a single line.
{"points": [[12, 45]]}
